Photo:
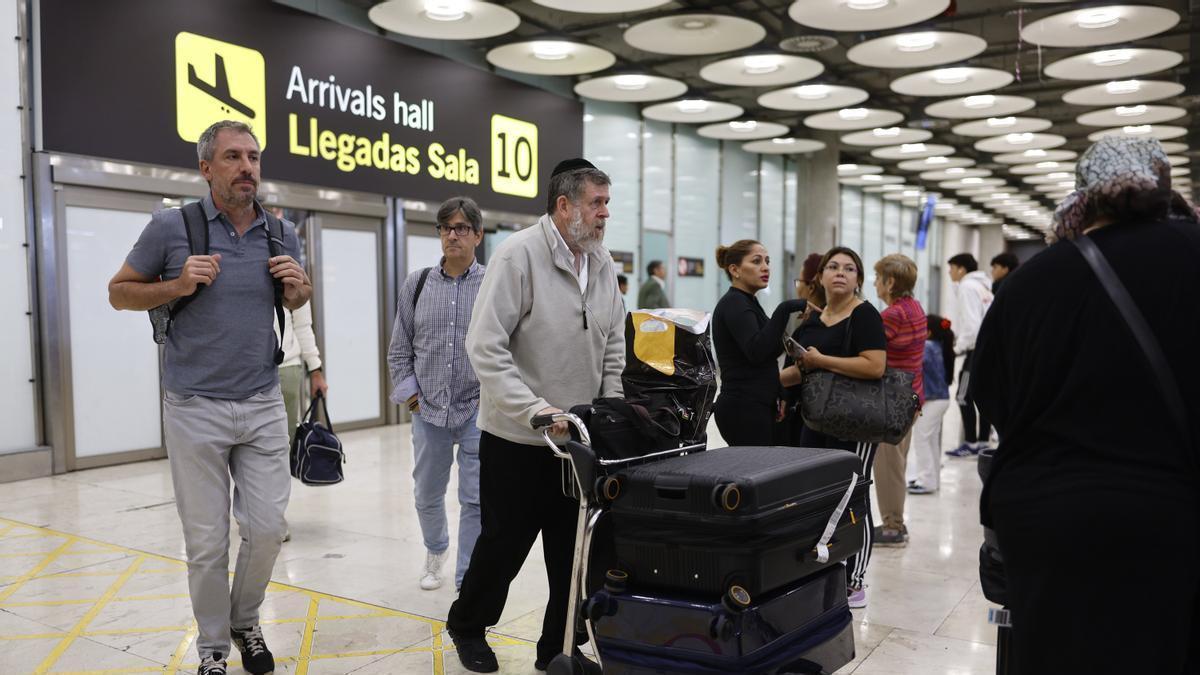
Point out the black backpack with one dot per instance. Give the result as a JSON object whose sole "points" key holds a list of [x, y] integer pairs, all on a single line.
{"points": [[196, 227]]}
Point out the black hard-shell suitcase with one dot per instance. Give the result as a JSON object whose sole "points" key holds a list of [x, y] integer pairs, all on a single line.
{"points": [[805, 628], [749, 517]]}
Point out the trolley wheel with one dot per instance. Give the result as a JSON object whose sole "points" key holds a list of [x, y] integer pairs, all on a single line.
{"points": [[727, 496], [609, 488]]}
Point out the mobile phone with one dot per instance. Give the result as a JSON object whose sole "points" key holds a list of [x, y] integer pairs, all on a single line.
{"points": [[794, 349]]}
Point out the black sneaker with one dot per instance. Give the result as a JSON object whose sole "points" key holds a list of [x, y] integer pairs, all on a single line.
{"points": [[474, 652], [256, 658], [213, 664], [590, 667]]}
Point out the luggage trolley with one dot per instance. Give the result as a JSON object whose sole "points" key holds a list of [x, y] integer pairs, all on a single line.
{"points": [[587, 479]]}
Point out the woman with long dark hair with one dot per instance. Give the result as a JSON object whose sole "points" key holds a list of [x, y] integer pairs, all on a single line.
{"points": [[748, 345], [847, 338], [1093, 493]]}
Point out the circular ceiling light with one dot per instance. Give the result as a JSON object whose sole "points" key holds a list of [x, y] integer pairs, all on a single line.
{"points": [[550, 57], [864, 15], [1160, 131], [743, 130], [1054, 177], [907, 151], [852, 119], [1035, 155], [916, 50], [444, 19], [601, 6], [851, 170], [1123, 92], [1126, 115], [1041, 168], [880, 136], [1174, 147], [871, 179], [762, 70], [1178, 160], [813, 97], [630, 88], [935, 163], [956, 173], [972, 184], [951, 81], [692, 111], [1018, 142], [1093, 26], [692, 34], [1002, 125], [1113, 64], [784, 146], [980, 105]]}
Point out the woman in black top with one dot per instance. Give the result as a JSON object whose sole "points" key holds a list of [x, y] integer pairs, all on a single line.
{"points": [[1093, 493], [748, 345], [846, 338]]}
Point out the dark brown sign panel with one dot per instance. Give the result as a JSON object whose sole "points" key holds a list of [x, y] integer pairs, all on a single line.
{"points": [[138, 80]]}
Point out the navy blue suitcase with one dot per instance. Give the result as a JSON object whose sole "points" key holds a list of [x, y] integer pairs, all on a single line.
{"points": [[747, 517], [805, 628]]}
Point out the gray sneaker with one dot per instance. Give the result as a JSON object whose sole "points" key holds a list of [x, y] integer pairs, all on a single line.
{"points": [[889, 537], [213, 664]]}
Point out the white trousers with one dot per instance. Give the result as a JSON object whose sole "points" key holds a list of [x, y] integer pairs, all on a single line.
{"points": [[925, 454]]}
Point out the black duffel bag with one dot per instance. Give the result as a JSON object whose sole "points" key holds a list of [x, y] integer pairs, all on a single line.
{"points": [[625, 429], [316, 457]]}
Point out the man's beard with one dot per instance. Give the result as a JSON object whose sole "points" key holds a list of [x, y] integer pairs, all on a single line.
{"points": [[584, 236], [237, 198]]}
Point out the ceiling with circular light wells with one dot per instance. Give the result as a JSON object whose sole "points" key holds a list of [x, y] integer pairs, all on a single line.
{"points": [[985, 103]]}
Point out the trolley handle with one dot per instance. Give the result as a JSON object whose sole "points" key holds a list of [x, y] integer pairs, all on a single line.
{"points": [[576, 425]]}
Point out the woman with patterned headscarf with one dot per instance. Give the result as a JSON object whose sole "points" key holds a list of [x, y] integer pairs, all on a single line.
{"points": [[1094, 492]]}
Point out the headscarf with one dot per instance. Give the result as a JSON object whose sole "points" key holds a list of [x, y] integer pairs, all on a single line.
{"points": [[1112, 166]]}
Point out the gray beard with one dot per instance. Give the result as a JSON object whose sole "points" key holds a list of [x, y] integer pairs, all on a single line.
{"points": [[584, 237]]}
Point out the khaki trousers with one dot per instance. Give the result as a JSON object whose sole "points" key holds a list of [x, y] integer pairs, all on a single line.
{"points": [[890, 463]]}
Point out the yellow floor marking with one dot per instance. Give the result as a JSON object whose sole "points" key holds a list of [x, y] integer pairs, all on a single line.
{"points": [[182, 649], [51, 556], [439, 663], [306, 644], [79, 627]]}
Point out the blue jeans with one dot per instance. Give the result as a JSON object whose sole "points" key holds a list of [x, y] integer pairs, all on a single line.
{"points": [[433, 453]]}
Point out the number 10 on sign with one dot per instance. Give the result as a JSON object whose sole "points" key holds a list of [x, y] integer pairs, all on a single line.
{"points": [[514, 156]]}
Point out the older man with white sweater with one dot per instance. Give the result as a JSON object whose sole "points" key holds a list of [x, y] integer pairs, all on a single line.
{"points": [[547, 333]]}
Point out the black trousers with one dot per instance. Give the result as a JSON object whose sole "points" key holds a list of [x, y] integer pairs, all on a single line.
{"points": [[856, 565], [976, 427], [520, 495], [743, 421]]}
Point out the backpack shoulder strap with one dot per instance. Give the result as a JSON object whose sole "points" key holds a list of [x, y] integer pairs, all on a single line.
{"points": [[1164, 377], [275, 248], [195, 226], [420, 286]]}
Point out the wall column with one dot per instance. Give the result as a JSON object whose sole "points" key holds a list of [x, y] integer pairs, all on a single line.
{"points": [[818, 198]]}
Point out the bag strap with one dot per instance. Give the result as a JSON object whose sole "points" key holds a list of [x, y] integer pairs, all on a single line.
{"points": [[275, 248], [822, 546], [640, 415], [195, 225], [420, 286], [318, 406], [1136, 322]]}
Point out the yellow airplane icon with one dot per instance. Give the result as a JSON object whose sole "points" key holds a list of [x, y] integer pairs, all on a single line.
{"points": [[217, 80]]}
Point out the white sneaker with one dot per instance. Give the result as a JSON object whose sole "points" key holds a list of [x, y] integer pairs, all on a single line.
{"points": [[433, 570]]}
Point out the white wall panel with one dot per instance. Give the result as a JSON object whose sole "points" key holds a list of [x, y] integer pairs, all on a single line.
{"points": [[350, 278]]}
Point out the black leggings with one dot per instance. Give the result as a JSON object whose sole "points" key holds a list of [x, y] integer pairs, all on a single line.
{"points": [[976, 429], [856, 565], [743, 421]]}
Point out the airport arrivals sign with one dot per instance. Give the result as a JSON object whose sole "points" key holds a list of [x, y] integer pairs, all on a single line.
{"points": [[333, 106]]}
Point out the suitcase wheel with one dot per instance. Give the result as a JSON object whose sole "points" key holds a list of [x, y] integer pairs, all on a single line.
{"points": [[610, 488], [736, 598], [727, 496], [615, 581]]}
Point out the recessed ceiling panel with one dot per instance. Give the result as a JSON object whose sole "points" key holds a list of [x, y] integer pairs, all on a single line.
{"points": [[784, 146], [550, 57], [692, 34], [812, 97], [1094, 26], [762, 70], [852, 119], [1020, 142], [979, 106], [1002, 125], [1113, 64], [692, 111], [1123, 92], [864, 15], [881, 136], [1127, 115], [916, 50], [451, 20], [956, 81], [630, 88], [743, 130]]}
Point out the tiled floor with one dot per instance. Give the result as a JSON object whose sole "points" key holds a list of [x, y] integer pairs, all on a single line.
{"points": [[91, 578]]}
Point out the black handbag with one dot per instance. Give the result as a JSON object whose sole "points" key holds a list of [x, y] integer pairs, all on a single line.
{"points": [[625, 429], [865, 411], [316, 455]]}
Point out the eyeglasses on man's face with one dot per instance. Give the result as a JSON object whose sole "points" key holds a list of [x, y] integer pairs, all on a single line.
{"points": [[461, 230]]}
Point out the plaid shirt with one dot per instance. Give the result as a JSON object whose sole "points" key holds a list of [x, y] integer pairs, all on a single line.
{"points": [[427, 355]]}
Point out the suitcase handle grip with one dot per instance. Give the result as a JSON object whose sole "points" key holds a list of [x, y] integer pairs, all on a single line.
{"points": [[673, 493]]}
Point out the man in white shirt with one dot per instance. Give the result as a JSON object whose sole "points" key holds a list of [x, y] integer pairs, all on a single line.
{"points": [[974, 293]]}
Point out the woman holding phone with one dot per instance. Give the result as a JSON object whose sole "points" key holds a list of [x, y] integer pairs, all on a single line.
{"points": [[847, 338], [748, 345]]}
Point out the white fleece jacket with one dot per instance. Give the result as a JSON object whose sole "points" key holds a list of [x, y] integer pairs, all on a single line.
{"points": [[529, 341], [974, 299]]}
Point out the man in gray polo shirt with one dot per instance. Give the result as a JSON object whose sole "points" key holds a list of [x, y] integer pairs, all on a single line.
{"points": [[223, 414]]}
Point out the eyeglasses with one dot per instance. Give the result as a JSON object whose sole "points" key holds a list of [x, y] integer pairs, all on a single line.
{"points": [[848, 269], [461, 230]]}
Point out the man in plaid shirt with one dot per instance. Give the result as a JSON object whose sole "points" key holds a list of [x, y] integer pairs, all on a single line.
{"points": [[432, 376]]}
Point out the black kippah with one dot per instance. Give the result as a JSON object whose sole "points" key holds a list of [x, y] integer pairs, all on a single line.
{"points": [[571, 165]]}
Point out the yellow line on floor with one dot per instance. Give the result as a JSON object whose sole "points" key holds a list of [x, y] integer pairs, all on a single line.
{"points": [[51, 556], [182, 649], [306, 643], [82, 624]]}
